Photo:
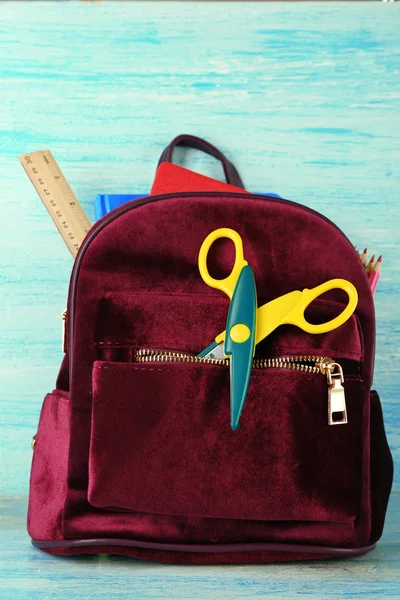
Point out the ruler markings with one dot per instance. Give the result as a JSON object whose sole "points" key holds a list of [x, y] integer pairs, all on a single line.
{"points": [[57, 196]]}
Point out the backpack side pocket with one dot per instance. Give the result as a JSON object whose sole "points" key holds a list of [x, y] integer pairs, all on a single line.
{"points": [[48, 482], [381, 469]]}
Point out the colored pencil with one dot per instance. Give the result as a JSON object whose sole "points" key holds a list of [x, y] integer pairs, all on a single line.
{"points": [[377, 266], [374, 275], [370, 265], [363, 257]]}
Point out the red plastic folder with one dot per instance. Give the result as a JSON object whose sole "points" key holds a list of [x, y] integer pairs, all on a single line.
{"points": [[172, 178]]}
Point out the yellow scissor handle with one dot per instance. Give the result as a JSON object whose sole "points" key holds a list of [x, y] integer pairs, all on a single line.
{"points": [[228, 284], [296, 316]]}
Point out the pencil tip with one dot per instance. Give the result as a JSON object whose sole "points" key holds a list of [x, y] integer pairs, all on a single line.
{"points": [[365, 251], [379, 259]]}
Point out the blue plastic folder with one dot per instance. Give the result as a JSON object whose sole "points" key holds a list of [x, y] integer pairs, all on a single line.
{"points": [[104, 203]]}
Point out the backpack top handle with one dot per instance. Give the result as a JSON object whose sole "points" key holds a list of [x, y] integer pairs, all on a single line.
{"points": [[191, 141]]}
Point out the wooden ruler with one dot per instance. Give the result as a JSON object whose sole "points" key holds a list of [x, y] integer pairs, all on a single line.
{"points": [[57, 196]]}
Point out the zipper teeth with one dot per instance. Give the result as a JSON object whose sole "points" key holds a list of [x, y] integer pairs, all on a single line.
{"points": [[297, 363], [161, 356]]}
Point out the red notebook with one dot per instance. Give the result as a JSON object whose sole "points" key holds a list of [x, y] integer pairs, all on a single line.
{"points": [[172, 178]]}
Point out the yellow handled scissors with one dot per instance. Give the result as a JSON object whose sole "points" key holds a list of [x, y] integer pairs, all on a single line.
{"points": [[285, 310], [242, 317]]}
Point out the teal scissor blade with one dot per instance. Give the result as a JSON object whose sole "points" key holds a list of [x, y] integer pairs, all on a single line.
{"points": [[214, 350], [239, 344]]}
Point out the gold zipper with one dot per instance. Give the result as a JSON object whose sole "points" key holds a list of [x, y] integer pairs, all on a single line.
{"points": [[337, 413], [146, 355], [319, 364]]}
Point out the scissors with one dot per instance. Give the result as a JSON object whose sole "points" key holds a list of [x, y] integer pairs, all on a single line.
{"points": [[240, 344], [247, 325]]}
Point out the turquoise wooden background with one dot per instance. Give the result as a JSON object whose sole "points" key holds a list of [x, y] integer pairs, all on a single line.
{"points": [[303, 97]]}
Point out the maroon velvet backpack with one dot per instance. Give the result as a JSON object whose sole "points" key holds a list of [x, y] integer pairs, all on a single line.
{"points": [[134, 452]]}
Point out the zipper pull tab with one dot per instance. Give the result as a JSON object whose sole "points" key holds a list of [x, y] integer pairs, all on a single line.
{"points": [[337, 413], [64, 319]]}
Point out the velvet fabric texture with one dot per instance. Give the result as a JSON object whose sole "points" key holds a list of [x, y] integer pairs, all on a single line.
{"points": [[147, 453], [281, 464], [48, 483], [181, 322]]}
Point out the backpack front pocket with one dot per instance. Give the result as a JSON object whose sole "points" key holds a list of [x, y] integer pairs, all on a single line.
{"points": [[161, 443]]}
